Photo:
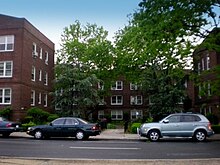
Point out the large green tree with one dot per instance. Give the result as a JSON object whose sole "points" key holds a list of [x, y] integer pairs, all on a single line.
{"points": [[156, 46], [85, 57]]}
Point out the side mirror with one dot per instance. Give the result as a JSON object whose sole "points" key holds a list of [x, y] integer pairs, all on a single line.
{"points": [[51, 124], [166, 121]]}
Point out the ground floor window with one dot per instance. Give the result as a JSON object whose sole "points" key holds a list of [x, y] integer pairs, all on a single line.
{"points": [[100, 114], [136, 114], [5, 96], [116, 114]]}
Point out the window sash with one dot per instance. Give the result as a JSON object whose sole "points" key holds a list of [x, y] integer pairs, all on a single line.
{"points": [[5, 96], [6, 69], [6, 43]]}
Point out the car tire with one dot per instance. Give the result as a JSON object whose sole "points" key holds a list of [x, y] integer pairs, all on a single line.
{"points": [[200, 135], [80, 135], [38, 134], [154, 135]]}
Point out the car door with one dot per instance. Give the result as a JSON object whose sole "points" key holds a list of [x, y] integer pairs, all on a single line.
{"points": [[171, 126], [56, 128], [70, 126], [188, 124]]}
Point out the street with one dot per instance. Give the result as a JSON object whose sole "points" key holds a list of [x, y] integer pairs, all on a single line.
{"points": [[69, 148]]}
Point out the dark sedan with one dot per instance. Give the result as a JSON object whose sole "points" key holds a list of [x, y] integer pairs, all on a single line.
{"points": [[7, 127], [65, 127]]}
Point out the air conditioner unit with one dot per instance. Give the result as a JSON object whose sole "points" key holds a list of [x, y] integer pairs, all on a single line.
{"points": [[34, 54]]}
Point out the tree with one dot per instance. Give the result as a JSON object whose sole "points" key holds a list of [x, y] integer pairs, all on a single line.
{"points": [[85, 58], [158, 43]]}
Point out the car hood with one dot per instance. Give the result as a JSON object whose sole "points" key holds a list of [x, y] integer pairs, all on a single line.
{"points": [[151, 124]]}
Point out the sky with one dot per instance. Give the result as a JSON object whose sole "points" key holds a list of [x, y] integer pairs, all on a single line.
{"points": [[52, 16]]}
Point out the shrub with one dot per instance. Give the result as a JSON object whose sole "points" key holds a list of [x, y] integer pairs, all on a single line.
{"points": [[52, 117], [38, 115], [216, 129], [5, 112], [134, 127], [212, 118], [26, 125], [111, 126]]}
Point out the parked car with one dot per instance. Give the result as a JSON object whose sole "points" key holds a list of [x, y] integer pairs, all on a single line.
{"points": [[7, 127], [65, 127], [190, 125]]}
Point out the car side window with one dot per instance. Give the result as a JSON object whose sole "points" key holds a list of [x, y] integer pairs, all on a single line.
{"points": [[174, 119], [58, 122], [71, 122], [188, 118]]}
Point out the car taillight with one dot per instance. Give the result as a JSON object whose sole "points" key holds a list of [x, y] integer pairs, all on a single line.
{"points": [[94, 128], [209, 126], [8, 125]]}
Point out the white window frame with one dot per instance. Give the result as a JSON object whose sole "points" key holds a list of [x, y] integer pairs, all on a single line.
{"points": [[6, 41], [117, 86], [33, 73], [46, 57], [136, 114], [101, 114], [33, 95], [208, 62], [45, 78], [4, 97], [118, 100], [39, 98], [203, 64], [136, 100], [199, 67], [34, 50], [40, 75], [118, 114], [41, 53], [6, 70], [133, 86], [45, 100]]}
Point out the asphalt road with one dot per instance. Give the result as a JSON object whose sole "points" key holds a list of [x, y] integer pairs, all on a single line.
{"points": [[69, 148]]}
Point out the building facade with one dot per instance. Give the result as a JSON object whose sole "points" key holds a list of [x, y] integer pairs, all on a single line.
{"points": [[26, 67], [206, 62]]}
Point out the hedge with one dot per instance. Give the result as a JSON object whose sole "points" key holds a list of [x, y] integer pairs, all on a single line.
{"points": [[216, 129]]}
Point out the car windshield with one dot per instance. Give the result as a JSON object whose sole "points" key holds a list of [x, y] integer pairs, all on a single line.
{"points": [[83, 121], [3, 119]]}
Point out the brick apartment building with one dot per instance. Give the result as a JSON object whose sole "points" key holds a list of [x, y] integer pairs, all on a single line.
{"points": [[205, 62], [126, 102], [26, 67]]}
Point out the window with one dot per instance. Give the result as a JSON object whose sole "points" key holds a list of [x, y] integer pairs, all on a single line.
{"points": [[136, 100], [208, 62], [136, 114], [41, 53], [6, 69], [117, 86], [5, 96], [40, 75], [209, 89], [100, 114], [6, 43], [117, 100], [32, 98], [117, 115], [39, 98], [45, 100], [45, 78], [199, 68], [174, 119], [100, 85], [46, 57], [58, 121], [203, 64], [71, 122], [34, 50], [33, 73]]}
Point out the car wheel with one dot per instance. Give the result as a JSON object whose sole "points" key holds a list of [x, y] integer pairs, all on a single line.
{"points": [[38, 134], [200, 135], [154, 135], [80, 135]]}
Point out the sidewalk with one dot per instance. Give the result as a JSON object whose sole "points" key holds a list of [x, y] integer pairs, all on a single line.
{"points": [[114, 134]]}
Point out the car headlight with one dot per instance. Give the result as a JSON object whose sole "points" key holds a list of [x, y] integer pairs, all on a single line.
{"points": [[29, 128]]}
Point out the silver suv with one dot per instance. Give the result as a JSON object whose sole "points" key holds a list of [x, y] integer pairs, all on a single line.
{"points": [[191, 125]]}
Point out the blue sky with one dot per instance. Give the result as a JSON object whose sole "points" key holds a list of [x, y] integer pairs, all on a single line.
{"points": [[52, 16]]}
